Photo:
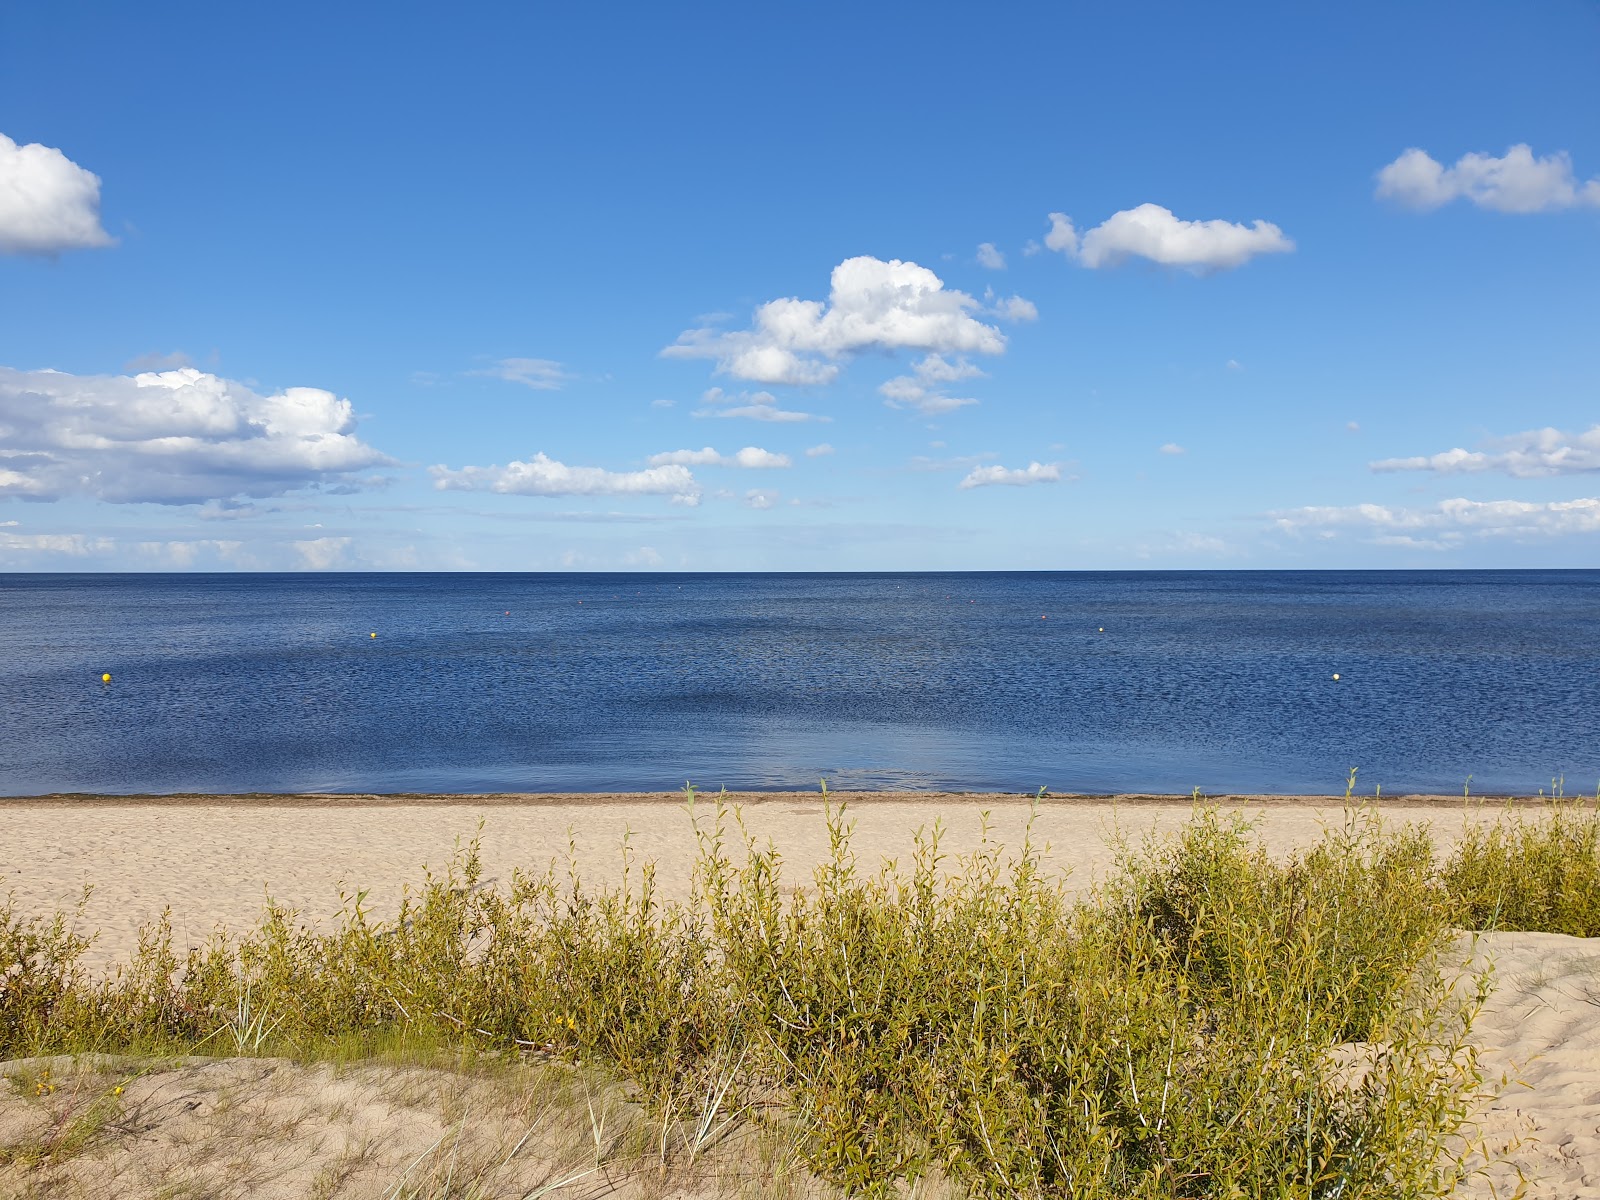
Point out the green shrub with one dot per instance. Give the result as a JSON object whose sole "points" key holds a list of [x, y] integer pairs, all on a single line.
{"points": [[1538, 873], [1210, 1023]]}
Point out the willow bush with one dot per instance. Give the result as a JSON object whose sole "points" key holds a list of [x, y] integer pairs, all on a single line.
{"points": [[1210, 1022]]}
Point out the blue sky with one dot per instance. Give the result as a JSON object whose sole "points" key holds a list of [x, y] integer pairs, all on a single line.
{"points": [[527, 287]]}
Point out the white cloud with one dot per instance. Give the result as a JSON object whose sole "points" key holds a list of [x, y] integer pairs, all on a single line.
{"points": [[48, 203], [1012, 477], [761, 498], [1234, 365], [922, 390], [541, 374], [1009, 308], [1447, 521], [751, 406], [171, 437], [1152, 232], [322, 554], [184, 554], [752, 457], [1517, 182], [1173, 448], [73, 545], [1062, 236], [989, 257], [872, 305], [662, 403], [644, 556], [544, 476], [1527, 455], [819, 450]]}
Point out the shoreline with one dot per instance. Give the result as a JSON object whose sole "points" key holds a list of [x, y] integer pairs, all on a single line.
{"points": [[1430, 800]]}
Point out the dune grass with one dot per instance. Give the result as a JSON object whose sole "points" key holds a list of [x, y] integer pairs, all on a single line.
{"points": [[1210, 1022]]}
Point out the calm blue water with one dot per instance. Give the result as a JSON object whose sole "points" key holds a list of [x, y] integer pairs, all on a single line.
{"points": [[1216, 680]]}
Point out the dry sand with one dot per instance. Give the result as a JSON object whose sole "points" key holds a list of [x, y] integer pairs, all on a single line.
{"points": [[214, 860]]}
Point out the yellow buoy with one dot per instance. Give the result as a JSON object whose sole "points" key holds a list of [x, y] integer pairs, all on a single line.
{"points": [[1336, 675], [372, 635], [1102, 629], [106, 678]]}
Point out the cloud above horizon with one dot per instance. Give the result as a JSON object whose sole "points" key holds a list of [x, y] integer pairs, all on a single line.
{"points": [[1154, 233], [1516, 182], [872, 305], [172, 437], [1528, 455], [545, 476], [48, 203], [1446, 524]]}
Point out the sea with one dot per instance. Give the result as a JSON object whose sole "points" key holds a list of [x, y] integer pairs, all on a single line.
{"points": [[1083, 682]]}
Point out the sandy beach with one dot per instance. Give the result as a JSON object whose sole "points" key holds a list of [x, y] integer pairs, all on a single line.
{"points": [[214, 860]]}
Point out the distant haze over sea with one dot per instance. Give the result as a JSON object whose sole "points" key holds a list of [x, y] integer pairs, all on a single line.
{"points": [[1090, 682]]}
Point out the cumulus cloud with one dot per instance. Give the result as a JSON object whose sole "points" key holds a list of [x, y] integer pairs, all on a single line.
{"points": [[1009, 308], [923, 390], [761, 498], [872, 305], [1527, 455], [1152, 232], [1448, 521], [544, 476], [991, 258], [48, 203], [751, 457], [750, 406], [541, 374], [71, 545], [1516, 182], [1012, 477], [323, 553], [171, 437]]}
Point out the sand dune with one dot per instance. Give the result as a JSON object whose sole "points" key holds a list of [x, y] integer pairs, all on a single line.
{"points": [[215, 860], [1540, 1031]]}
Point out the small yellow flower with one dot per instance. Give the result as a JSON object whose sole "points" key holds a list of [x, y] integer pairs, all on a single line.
{"points": [[117, 1091]]}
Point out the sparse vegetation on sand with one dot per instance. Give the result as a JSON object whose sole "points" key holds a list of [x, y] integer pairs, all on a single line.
{"points": [[1209, 1022]]}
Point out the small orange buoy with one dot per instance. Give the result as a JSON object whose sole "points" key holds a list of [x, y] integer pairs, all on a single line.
{"points": [[1044, 617]]}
